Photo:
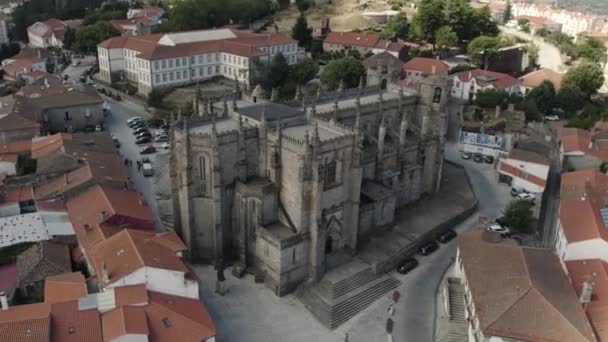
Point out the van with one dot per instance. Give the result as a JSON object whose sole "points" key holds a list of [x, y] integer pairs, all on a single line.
{"points": [[147, 170]]}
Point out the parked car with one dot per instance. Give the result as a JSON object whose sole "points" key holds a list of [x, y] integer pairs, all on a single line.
{"points": [[143, 140], [83, 79], [466, 155], [136, 123], [488, 159], [116, 97], [143, 134], [517, 191], [552, 118], [524, 196], [75, 63], [407, 265], [498, 229], [98, 128], [478, 158], [147, 169], [134, 119], [446, 236], [428, 248], [148, 150], [103, 90], [501, 221], [137, 130], [165, 146], [161, 138]]}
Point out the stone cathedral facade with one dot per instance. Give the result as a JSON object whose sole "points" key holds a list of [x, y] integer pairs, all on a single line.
{"points": [[287, 193]]}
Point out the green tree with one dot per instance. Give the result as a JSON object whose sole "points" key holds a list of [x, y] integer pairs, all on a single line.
{"points": [[604, 167], [523, 24], [483, 49], [430, 16], [544, 97], [279, 71], [446, 38], [533, 51], [397, 28], [507, 15], [483, 23], [591, 49], [304, 71], [530, 108], [586, 77], [87, 37], [69, 37], [301, 32], [519, 217], [490, 98], [302, 5], [461, 67], [348, 69], [155, 99], [570, 99]]}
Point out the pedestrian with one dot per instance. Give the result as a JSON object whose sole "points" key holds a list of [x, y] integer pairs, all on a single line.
{"points": [[345, 337], [138, 166], [391, 309], [126, 161]]}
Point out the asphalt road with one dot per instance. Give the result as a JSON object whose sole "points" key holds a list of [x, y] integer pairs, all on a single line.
{"points": [[116, 125], [548, 55], [74, 72]]}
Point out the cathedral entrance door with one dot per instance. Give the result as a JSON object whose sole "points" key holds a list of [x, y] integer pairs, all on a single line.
{"points": [[328, 245]]}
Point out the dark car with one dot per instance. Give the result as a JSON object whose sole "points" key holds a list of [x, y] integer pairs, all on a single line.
{"points": [[428, 248], [143, 140], [136, 123], [116, 97], [143, 134], [161, 138], [139, 129], [478, 158], [488, 159], [446, 236], [148, 150], [407, 265], [102, 90]]}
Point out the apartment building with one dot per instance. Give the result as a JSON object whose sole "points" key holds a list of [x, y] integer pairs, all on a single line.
{"points": [[572, 23], [174, 59]]}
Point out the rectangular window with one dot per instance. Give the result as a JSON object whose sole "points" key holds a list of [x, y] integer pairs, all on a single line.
{"points": [[217, 69], [164, 64], [201, 72], [177, 61], [209, 58], [208, 70], [170, 63], [225, 70], [185, 74], [293, 255], [178, 76], [330, 173], [217, 57], [164, 77], [171, 76]]}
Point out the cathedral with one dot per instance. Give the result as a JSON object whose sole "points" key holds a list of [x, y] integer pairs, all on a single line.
{"points": [[287, 192]]}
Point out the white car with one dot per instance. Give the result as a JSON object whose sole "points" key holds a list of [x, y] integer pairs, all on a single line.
{"points": [[495, 227], [552, 118], [524, 196], [165, 146]]}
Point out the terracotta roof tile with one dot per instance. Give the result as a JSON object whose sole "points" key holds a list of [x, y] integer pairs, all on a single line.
{"points": [[528, 297], [368, 40], [127, 320], [8, 277], [131, 295], [535, 78], [486, 77], [528, 156], [69, 324], [41, 260], [427, 65], [64, 287], [20, 147], [49, 144], [26, 323]]}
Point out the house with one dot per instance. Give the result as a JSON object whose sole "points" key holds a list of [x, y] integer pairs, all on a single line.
{"points": [[41, 260], [44, 34], [63, 106], [533, 79], [35, 227], [152, 14], [22, 323], [158, 61], [512, 60], [580, 149], [525, 170], [364, 43], [467, 83], [64, 287], [528, 297], [16, 200], [29, 60], [16, 124], [418, 67], [537, 24], [133, 257], [132, 27], [383, 69], [572, 22], [581, 227]]}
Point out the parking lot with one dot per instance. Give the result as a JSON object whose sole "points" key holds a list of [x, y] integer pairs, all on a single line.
{"points": [[75, 71]]}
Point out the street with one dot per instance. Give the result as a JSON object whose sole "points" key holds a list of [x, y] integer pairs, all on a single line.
{"points": [[548, 55]]}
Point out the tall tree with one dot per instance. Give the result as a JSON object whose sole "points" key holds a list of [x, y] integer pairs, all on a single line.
{"points": [[507, 15], [397, 28], [279, 71], [304, 71], [430, 16], [483, 22], [482, 49], [87, 37], [586, 77], [544, 97], [349, 70], [460, 19], [301, 32], [446, 38], [519, 216]]}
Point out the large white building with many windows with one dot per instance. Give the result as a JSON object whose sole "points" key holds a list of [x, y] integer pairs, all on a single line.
{"points": [[174, 59]]}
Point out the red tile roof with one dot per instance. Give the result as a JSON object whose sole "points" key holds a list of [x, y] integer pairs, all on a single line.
{"points": [[427, 65], [368, 40], [69, 324], [49, 144], [26, 323], [535, 78], [130, 295], [130, 250], [8, 277], [486, 77], [64, 287], [124, 320], [20, 147], [581, 198]]}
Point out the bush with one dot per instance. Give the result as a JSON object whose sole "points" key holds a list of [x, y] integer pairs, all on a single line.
{"points": [[519, 217], [155, 99]]}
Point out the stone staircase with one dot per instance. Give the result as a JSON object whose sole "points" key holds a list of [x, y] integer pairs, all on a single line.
{"points": [[341, 294], [457, 325]]}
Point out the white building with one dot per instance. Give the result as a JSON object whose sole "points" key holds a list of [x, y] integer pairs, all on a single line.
{"points": [[572, 23], [132, 257], [524, 170], [494, 145], [515, 293], [50, 32], [582, 228], [466, 84], [174, 59], [34, 227]]}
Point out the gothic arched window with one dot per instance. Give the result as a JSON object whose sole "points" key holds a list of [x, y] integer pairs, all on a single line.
{"points": [[437, 95]]}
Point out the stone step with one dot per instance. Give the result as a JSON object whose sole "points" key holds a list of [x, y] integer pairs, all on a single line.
{"points": [[346, 285], [333, 312]]}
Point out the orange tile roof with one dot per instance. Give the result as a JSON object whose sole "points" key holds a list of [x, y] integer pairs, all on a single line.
{"points": [[26, 323], [485, 77], [594, 271], [49, 144], [20, 147], [9, 157], [131, 295], [581, 198], [535, 78], [123, 321], [69, 324], [130, 250], [574, 139], [426, 65], [173, 318], [64, 287]]}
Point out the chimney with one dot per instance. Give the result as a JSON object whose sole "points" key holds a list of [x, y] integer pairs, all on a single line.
{"points": [[105, 277], [586, 293], [497, 112], [3, 301], [433, 70]]}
